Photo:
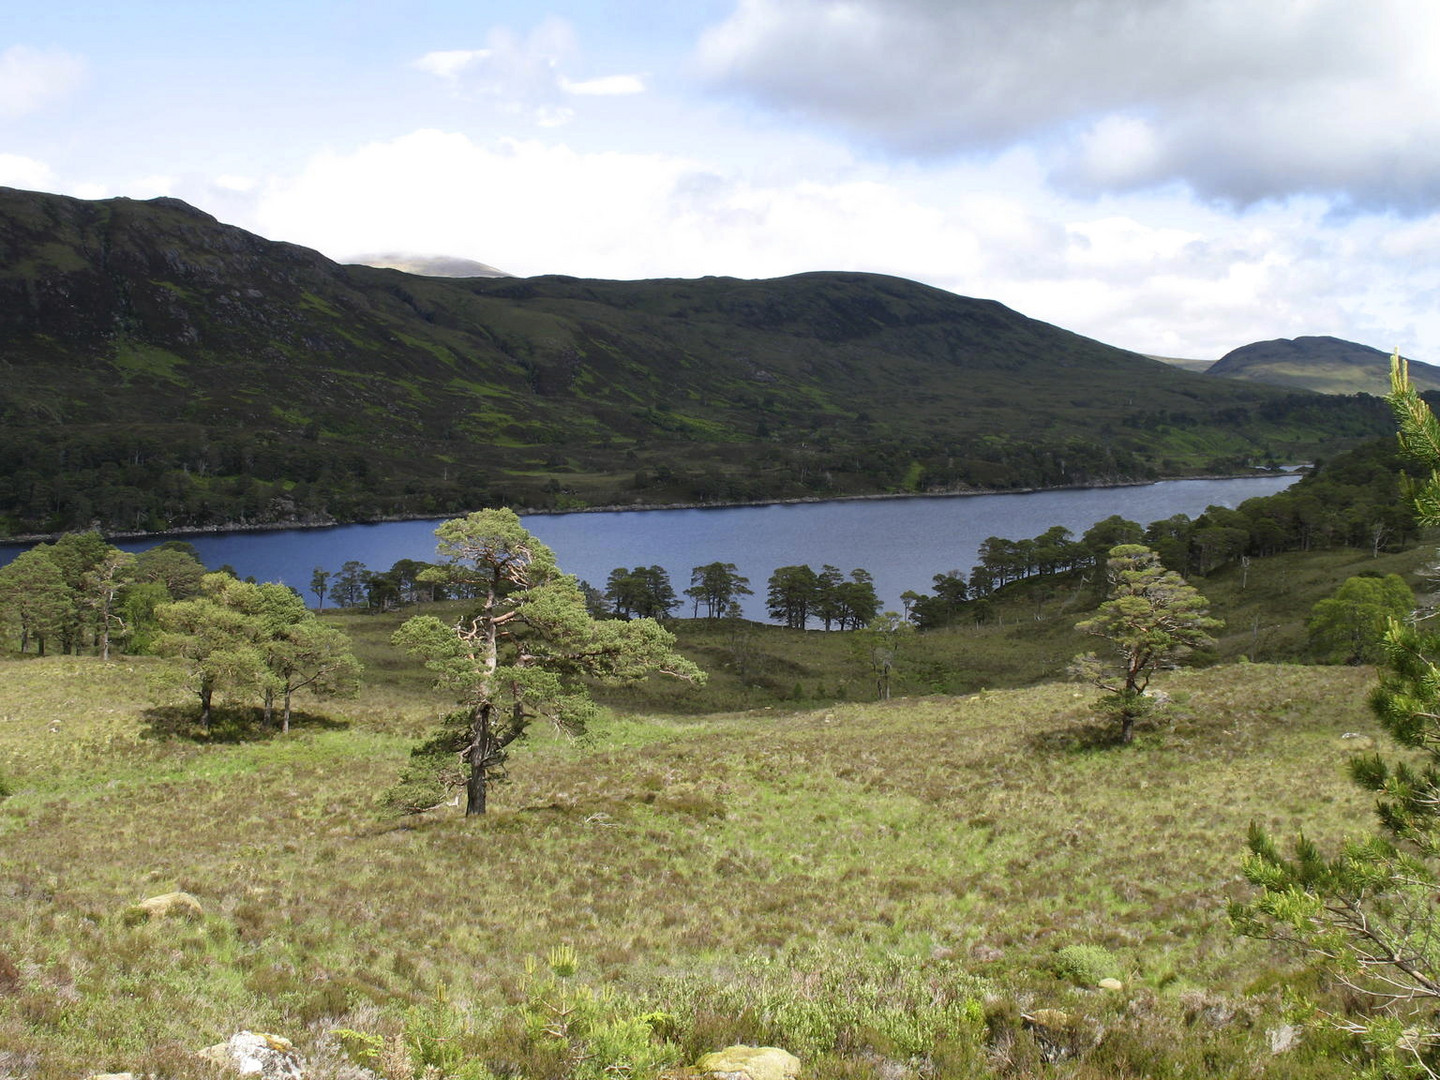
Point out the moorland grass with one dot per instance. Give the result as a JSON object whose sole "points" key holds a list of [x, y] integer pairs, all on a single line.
{"points": [[878, 887]]}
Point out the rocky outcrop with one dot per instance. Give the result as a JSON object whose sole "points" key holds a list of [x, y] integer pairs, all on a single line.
{"points": [[269, 1057]]}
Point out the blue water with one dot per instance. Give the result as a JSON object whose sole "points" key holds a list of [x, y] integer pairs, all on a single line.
{"points": [[903, 542]]}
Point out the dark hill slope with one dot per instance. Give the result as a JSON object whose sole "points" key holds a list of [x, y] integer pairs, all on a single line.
{"points": [[162, 370], [1328, 365]]}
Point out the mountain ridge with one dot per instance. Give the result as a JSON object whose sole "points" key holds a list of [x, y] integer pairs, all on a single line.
{"points": [[166, 370]]}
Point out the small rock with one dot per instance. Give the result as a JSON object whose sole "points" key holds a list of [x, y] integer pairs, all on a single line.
{"points": [[173, 905], [1060, 1035], [1283, 1038], [1110, 984], [750, 1063], [251, 1053]]}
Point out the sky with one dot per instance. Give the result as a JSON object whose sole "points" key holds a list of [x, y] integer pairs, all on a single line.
{"points": [[1175, 177]]}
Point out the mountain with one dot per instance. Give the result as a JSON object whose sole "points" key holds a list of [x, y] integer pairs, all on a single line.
{"points": [[429, 265], [1328, 365], [162, 370], [1198, 366]]}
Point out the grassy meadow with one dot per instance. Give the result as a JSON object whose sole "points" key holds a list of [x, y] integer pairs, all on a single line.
{"points": [[931, 886]]}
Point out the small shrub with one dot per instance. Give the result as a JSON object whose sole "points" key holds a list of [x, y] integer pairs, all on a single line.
{"points": [[1085, 965], [10, 979]]}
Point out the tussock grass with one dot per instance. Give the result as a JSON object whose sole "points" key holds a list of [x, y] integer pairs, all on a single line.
{"points": [[862, 882]]}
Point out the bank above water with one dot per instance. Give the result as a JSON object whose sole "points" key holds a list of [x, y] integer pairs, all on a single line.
{"points": [[902, 541]]}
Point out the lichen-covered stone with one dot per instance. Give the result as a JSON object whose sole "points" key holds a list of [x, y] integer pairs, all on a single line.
{"points": [[750, 1063], [251, 1053]]}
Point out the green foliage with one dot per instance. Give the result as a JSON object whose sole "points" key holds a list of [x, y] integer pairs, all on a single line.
{"points": [[434, 769], [217, 640], [245, 640], [1086, 965], [881, 645], [1348, 627], [35, 602], [1368, 912], [1153, 617], [521, 654], [718, 586], [796, 594], [642, 593], [1419, 440]]}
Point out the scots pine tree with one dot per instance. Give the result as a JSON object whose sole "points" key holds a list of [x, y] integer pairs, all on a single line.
{"points": [[1153, 617], [523, 654], [1369, 912]]}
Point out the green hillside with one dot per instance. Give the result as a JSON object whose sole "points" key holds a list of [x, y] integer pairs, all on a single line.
{"points": [[1325, 364], [163, 370]]}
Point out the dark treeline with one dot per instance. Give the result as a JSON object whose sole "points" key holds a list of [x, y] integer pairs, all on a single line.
{"points": [[795, 595], [151, 479], [1353, 500], [162, 477]]}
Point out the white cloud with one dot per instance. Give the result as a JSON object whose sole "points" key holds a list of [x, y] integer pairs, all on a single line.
{"points": [[1242, 101], [524, 205], [232, 182], [1156, 274], [526, 74], [448, 64], [23, 172], [608, 86], [31, 78]]}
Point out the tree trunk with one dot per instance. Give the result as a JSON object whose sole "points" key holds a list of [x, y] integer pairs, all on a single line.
{"points": [[477, 757], [285, 724], [475, 785], [206, 692]]}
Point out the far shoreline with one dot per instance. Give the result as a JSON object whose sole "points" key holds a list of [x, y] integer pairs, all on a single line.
{"points": [[228, 528]]}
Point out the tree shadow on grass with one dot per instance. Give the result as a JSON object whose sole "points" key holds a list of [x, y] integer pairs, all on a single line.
{"points": [[1083, 737], [228, 725]]}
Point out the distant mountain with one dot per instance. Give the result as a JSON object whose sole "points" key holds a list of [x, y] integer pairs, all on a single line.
{"points": [[160, 370], [1197, 366], [429, 265], [1328, 365]]}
